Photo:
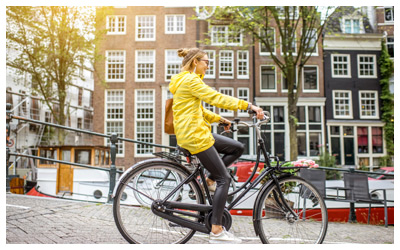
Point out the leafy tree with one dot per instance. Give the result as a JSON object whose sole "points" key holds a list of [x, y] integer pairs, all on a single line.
{"points": [[387, 69], [301, 25], [51, 44]]}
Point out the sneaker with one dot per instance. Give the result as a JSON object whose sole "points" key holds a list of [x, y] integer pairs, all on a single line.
{"points": [[224, 237]]}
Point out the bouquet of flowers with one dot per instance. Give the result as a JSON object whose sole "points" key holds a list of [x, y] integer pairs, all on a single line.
{"points": [[301, 163]]}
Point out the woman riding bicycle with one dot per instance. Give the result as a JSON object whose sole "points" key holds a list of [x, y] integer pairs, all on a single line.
{"points": [[193, 130]]}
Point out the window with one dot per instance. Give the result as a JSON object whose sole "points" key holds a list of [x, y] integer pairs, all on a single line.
{"points": [[175, 24], [116, 25], [83, 156], [226, 64], [352, 26], [243, 64], [88, 120], [145, 70], [145, 28], [79, 123], [172, 64], [366, 66], [390, 46], [309, 135], [144, 103], [342, 104], [285, 83], [210, 73], [268, 78], [115, 117], [115, 66], [368, 104], [273, 133], [80, 93], [222, 35], [293, 11], [48, 153], [341, 66], [272, 41], [310, 76], [229, 92], [243, 94], [389, 14], [377, 140], [362, 139], [311, 42]]}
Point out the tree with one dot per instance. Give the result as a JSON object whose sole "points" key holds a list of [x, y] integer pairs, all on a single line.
{"points": [[51, 44], [299, 28]]}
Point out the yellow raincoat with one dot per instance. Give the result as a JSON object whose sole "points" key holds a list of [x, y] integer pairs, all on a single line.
{"points": [[191, 120]]}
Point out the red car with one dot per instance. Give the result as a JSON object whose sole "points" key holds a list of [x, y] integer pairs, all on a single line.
{"points": [[243, 170], [379, 174]]}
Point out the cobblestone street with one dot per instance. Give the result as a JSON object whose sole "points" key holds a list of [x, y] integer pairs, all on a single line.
{"points": [[37, 220]]}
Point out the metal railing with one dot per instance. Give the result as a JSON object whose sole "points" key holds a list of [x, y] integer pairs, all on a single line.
{"points": [[113, 148]]}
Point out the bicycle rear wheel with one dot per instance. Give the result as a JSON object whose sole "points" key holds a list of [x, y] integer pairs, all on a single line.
{"points": [[274, 222], [135, 194]]}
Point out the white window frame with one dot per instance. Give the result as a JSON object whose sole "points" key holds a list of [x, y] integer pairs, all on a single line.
{"points": [[384, 13], [110, 63], [373, 63], [315, 52], [348, 66], [243, 113], [268, 90], [226, 112], [297, 81], [303, 78], [244, 61], [176, 61], [175, 22], [350, 116], [352, 19], [121, 144], [268, 53], [376, 99], [137, 120], [153, 27], [226, 36], [115, 19], [220, 65], [281, 15], [389, 43], [212, 64], [137, 61]]}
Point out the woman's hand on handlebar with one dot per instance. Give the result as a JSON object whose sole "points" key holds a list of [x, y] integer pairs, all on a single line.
{"points": [[259, 112], [226, 123]]}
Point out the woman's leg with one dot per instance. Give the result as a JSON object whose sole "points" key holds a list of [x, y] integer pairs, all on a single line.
{"points": [[231, 150], [214, 164]]}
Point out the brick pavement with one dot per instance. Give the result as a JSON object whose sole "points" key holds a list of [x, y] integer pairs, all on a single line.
{"points": [[40, 220]]}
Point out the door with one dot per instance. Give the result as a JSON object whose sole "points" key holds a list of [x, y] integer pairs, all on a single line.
{"points": [[65, 174], [349, 151], [335, 147]]}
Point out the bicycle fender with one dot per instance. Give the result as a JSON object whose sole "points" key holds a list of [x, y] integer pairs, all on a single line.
{"points": [[137, 165], [258, 200]]}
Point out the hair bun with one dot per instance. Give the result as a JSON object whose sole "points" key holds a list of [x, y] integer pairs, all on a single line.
{"points": [[183, 52]]}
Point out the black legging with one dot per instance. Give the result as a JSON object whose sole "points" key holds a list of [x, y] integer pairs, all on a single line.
{"points": [[211, 160]]}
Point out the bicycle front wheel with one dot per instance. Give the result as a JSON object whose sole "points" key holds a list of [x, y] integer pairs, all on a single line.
{"points": [[135, 194], [306, 220]]}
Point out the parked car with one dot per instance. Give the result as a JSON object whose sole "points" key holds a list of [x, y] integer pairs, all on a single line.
{"points": [[379, 174], [243, 169]]}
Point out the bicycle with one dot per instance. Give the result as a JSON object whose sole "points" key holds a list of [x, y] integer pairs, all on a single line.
{"points": [[162, 201]]}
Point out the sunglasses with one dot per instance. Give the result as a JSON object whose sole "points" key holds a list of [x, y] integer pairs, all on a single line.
{"points": [[207, 62]]}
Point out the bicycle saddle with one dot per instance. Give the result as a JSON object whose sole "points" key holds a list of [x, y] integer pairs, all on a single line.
{"points": [[185, 152]]}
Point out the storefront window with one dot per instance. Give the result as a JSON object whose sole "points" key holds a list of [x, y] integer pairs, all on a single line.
{"points": [[377, 142], [362, 137], [82, 156]]}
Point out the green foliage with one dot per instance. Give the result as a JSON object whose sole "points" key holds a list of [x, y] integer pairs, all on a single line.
{"points": [[328, 160], [386, 70], [51, 44]]}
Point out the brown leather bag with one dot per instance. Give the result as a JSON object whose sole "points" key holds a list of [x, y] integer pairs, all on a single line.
{"points": [[169, 117]]}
